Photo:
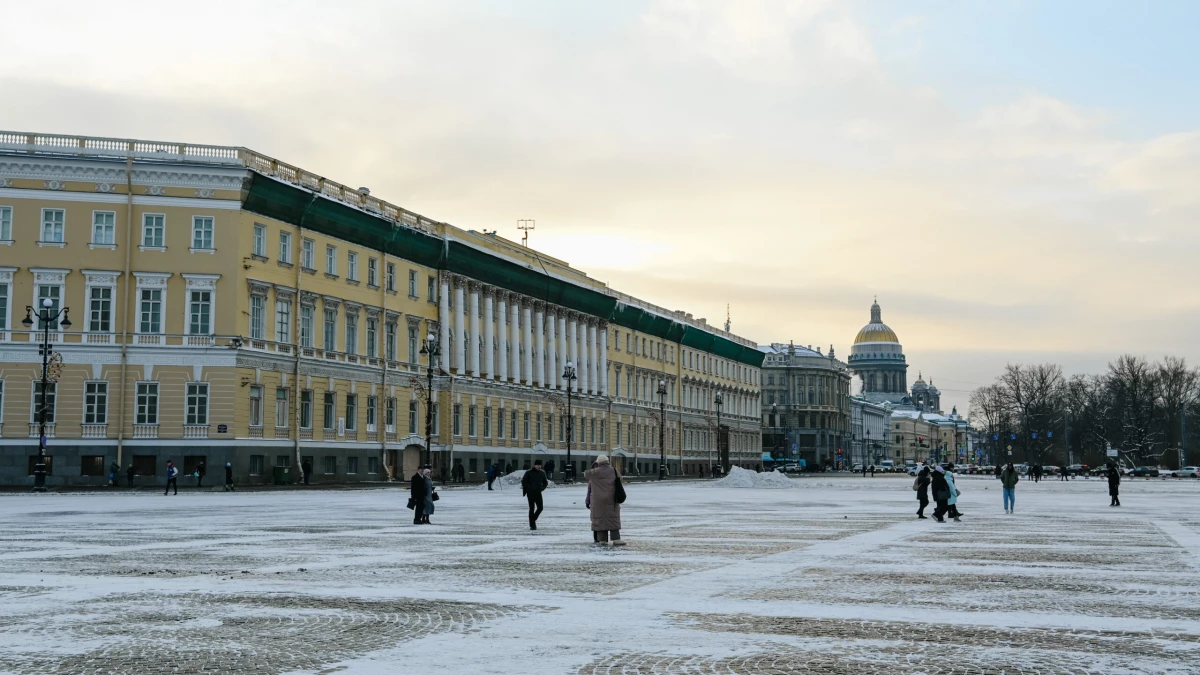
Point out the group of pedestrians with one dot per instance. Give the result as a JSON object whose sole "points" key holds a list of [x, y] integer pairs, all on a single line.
{"points": [[941, 482]]}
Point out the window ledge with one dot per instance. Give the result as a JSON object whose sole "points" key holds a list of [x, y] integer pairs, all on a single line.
{"points": [[94, 246], [202, 250], [392, 293], [152, 248], [308, 270], [284, 264], [6, 242], [56, 244], [352, 282], [330, 276], [414, 297], [260, 258]]}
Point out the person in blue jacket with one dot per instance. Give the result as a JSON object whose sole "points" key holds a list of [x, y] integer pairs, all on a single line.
{"points": [[172, 477]]}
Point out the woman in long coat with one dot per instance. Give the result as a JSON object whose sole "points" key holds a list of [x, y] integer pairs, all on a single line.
{"points": [[941, 493], [428, 495], [1114, 484], [605, 511], [417, 494], [952, 502]]}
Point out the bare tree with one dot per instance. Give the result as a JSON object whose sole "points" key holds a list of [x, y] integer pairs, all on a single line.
{"points": [[989, 407]]}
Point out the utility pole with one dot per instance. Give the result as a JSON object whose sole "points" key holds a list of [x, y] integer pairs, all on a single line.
{"points": [[525, 226]]}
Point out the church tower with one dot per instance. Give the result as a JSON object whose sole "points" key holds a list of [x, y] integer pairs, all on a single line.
{"points": [[877, 357]]}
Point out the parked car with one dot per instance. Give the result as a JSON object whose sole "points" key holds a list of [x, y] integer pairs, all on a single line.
{"points": [[1077, 470], [886, 466], [857, 468], [790, 468], [1144, 472], [1187, 472]]}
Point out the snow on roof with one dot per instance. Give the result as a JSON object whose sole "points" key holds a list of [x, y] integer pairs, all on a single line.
{"points": [[910, 414]]}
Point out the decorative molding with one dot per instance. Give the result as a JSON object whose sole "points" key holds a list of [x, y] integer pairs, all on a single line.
{"points": [[105, 187], [284, 292], [205, 193], [152, 279], [5, 182], [49, 275], [100, 171], [101, 277], [353, 308], [6, 273], [308, 298], [98, 198], [413, 321], [257, 287], [373, 312], [54, 184], [156, 190], [201, 281], [331, 302]]}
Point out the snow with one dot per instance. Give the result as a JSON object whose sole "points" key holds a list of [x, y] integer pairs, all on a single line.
{"points": [[837, 577], [511, 482], [745, 478]]}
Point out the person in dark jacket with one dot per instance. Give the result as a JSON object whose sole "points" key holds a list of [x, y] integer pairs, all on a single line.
{"points": [[491, 474], [507, 468], [872, 471], [172, 478], [129, 475], [416, 492], [923, 481], [306, 468], [1008, 481], [941, 493], [532, 484], [114, 474], [430, 494], [228, 477], [200, 471], [1114, 483]]}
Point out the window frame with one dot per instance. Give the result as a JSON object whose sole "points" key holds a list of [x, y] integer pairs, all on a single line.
{"points": [[255, 416], [197, 229], [308, 254], [61, 225], [147, 408], [148, 227], [258, 246], [196, 415], [6, 212], [285, 247], [331, 260], [110, 226]]}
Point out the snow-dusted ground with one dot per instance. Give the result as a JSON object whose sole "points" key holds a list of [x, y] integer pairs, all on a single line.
{"points": [[835, 577]]}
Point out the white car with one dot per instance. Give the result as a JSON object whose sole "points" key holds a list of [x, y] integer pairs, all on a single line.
{"points": [[1188, 472]]}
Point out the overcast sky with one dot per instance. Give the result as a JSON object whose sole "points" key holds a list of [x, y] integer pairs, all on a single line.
{"points": [[1016, 181]]}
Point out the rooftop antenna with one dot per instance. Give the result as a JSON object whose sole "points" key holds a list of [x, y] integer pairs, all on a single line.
{"points": [[525, 225], [727, 321]]}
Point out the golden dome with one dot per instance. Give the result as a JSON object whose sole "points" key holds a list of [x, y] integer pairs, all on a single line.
{"points": [[877, 330]]}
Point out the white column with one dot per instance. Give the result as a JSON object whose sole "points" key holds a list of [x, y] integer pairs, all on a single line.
{"points": [[527, 358], [564, 354], [514, 321], [502, 336], [444, 323], [474, 346], [539, 339], [555, 374], [489, 337], [460, 315], [573, 346], [604, 360], [593, 360]]}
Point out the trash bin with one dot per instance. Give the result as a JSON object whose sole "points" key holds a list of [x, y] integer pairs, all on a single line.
{"points": [[283, 475]]}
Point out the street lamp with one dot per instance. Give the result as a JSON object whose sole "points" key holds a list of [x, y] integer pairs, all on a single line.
{"points": [[46, 319], [722, 450], [662, 429], [570, 377], [433, 350]]}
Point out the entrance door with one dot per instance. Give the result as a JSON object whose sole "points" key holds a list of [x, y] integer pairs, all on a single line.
{"points": [[393, 465], [411, 461]]}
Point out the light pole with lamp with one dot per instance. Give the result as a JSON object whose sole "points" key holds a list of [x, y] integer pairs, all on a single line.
{"points": [[722, 450], [662, 429], [433, 350], [570, 377], [46, 319]]}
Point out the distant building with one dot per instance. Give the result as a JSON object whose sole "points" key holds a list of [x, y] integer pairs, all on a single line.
{"points": [[878, 358], [806, 405], [870, 441]]}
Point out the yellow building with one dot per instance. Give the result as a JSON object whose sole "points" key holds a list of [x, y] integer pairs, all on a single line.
{"points": [[228, 307]]}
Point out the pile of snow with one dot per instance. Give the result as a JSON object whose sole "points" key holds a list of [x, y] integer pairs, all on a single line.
{"points": [[744, 478], [510, 482]]}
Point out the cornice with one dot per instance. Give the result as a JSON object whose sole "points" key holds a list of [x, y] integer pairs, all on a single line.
{"points": [[93, 171]]}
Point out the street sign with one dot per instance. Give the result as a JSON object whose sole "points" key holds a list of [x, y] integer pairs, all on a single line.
{"points": [[1049, 434], [1010, 453], [995, 437], [221, 428], [1010, 449], [1112, 452], [1035, 434], [1014, 437]]}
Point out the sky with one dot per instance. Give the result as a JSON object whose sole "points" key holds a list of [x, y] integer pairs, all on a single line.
{"points": [[1017, 181]]}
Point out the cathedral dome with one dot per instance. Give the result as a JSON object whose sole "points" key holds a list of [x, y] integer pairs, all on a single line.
{"points": [[877, 330]]}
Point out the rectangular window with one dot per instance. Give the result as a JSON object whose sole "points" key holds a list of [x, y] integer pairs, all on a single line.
{"points": [[351, 333], [457, 419], [471, 421], [200, 313], [412, 345], [330, 338], [283, 460], [260, 240], [202, 232], [308, 254], [92, 465], [54, 295], [372, 465], [5, 223], [525, 418], [618, 432], [147, 403], [306, 325], [538, 427], [95, 403], [372, 337], [52, 225], [330, 464], [412, 416], [197, 404], [104, 227], [256, 465], [329, 418], [373, 272], [3, 307], [153, 230], [99, 310], [512, 423], [389, 418], [256, 405], [352, 266], [351, 412], [151, 310], [285, 247], [500, 423], [257, 320], [372, 412], [389, 339], [283, 320], [331, 260], [487, 422], [351, 465], [391, 277], [431, 290], [306, 409], [602, 426], [412, 283]]}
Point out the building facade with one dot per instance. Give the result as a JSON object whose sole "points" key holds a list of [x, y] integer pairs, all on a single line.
{"points": [[229, 307], [806, 406], [869, 424]]}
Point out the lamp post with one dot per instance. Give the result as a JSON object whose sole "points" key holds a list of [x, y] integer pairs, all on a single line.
{"points": [[662, 429], [46, 319], [867, 449], [570, 376], [722, 450], [433, 350]]}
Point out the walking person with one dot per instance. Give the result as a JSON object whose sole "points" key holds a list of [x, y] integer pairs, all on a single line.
{"points": [[200, 470], [532, 484], [941, 493], [952, 501], [864, 470], [921, 485], [507, 468], [114, 474], [1114, 484], [228, 477], [129, 475], [430, 494], [605, 495], [172, 477], [491, 475], [416, 497], [1008, 480], [306, 469], [872, 471]]}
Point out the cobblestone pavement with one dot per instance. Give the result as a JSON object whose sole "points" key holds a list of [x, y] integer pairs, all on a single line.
{"points": [[836, 576]]}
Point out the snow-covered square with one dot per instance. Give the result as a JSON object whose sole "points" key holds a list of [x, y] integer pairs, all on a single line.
{"points": [[830, 575]]}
